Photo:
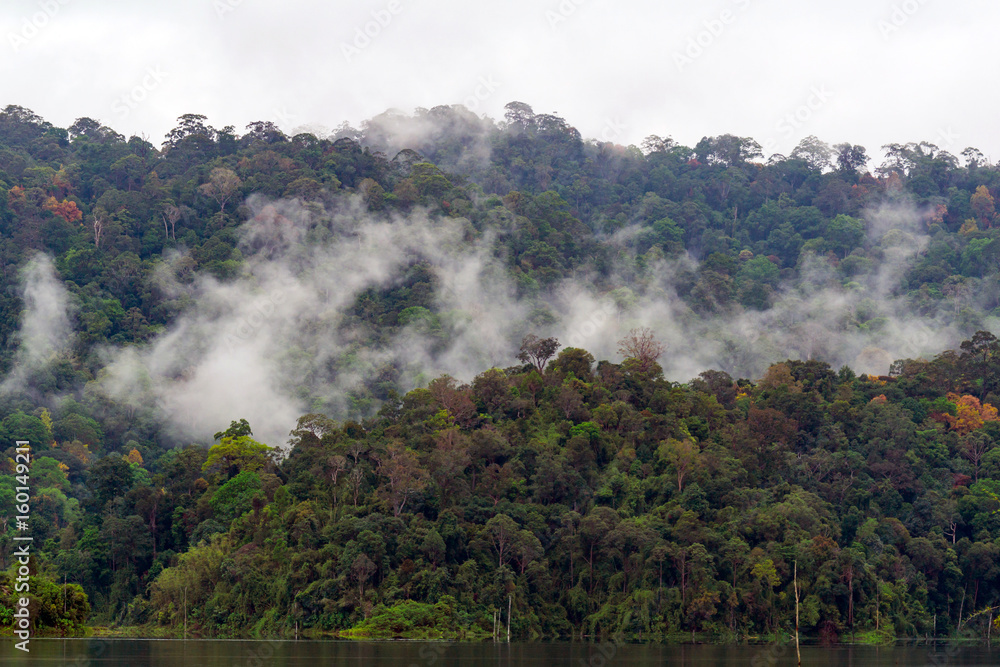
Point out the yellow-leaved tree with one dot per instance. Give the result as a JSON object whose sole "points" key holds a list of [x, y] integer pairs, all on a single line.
{"points": [[970, 415]]}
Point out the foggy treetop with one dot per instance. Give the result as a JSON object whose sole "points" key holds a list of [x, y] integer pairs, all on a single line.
{"points": [[371, 292], [458, 235]]}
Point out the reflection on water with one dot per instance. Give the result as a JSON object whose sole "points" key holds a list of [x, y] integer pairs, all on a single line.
{"points": [[175, 653]]}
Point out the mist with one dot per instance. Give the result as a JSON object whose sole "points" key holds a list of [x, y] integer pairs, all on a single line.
{"points": [[277, 343], [271, 345], [393, 131], [864, 325], [45, 330]]}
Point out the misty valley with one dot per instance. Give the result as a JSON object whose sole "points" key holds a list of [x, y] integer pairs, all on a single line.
{"points": [[446, 377]]}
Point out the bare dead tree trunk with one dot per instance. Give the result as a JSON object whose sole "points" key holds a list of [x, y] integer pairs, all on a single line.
{"points": [[961, 607], [795, 580], [510, 599]]}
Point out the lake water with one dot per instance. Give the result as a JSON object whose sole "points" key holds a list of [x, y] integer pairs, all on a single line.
{"points": [[211, 653]]}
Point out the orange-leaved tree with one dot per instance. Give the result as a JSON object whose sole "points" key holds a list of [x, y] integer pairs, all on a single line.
{"points": [[970, 414], [65, 209], [983, 205]]}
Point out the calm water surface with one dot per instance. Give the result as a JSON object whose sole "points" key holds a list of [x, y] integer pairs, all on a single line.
{"points": [[176, 653]]}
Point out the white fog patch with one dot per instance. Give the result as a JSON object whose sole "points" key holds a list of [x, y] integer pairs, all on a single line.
{"points": [[272, 345], [45, 329]]}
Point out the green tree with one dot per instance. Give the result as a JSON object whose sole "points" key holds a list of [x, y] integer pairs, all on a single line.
{"points": [[233, 498], [844, 234], [235, 454]]}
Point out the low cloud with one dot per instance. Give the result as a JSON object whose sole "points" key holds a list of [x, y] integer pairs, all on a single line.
{"points": [[45, 329], [278, 341]]}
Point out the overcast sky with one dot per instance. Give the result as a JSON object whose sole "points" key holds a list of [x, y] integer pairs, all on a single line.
{"points": [[866, 71]]}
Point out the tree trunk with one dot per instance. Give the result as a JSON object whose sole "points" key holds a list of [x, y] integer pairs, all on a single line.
{"points": [[795, 580], [509, 601], [659, 593], [961, 607], [683, 578], [591, 569], [850, 602], [152, 527]]}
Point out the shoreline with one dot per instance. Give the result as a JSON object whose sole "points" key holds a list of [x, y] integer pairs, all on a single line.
{"points": [[143, 634]]}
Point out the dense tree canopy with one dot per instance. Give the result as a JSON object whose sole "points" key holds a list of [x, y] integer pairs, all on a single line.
{"points": [[596, 496]]}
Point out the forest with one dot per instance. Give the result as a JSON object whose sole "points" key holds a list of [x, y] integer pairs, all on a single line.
{"points": [[420, 454]]}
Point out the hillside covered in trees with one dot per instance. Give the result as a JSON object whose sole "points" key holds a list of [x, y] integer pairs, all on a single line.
{"points": [[370, 291]]}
